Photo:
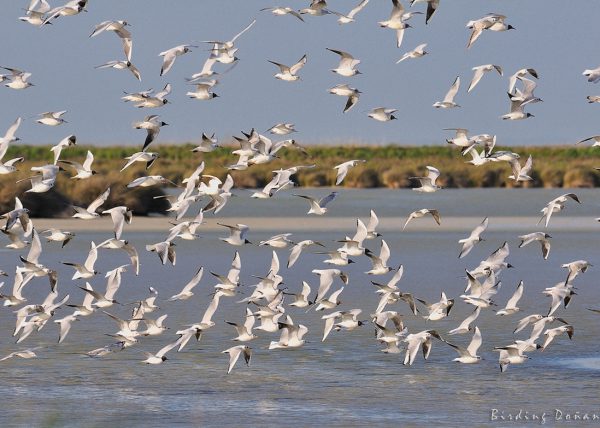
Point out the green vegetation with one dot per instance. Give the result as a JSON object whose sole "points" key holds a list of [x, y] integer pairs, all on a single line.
{"points": [[386, 166]]}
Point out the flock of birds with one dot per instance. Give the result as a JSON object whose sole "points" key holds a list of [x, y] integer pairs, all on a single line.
{"points": [[267, 302]]}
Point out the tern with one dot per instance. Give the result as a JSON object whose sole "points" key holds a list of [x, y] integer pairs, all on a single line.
{"points": [[448, 101], [289, 73]]}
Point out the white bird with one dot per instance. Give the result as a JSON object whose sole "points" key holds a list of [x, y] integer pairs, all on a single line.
{"points": [[165, 251], [281, 11], [234, 354], [148, 157], [83, 171], [343, 168], [346, 19], [382, 114], [524, 322], [292, 336], [492, 22], [438, 310], [448, 101], [480, 71], [187, 292], [345, 90], [521, 173], [277, 241], [511, 306], [556, 205], [52, 118], [319, 207], [122, 65], [510, 355], [146, 100], [65, 326], [35, 12], [86, 307], [593, 75], [348, 321], [66, 142], [150, 180], [170, 55], [551, 333], [465, 326], [119, 216], [118, 27], [415, 341], [347, 65], [421, 213], [301, 299], [428, 182], [475, 237], [297, 250], [432, 6], [512, 81], [152, 125], [289, 73], [237, 234], [575, 268], [86, 270], [417, 52], [469, 355], [25, 354], [244, 330], [18, 79], [204, 90], [160, 357], [282, 129], [207, 144], [516, 112], [90, 213], [379, 262], [57, 235], [542, 237], [396, 21]]}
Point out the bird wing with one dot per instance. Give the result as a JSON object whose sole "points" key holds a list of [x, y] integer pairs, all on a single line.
{"points": [[449, 98], [91, 258], [475, 342], [327, 199], [479, 72], [296, 67], [512, 302], [98, 201], [357, 9]]}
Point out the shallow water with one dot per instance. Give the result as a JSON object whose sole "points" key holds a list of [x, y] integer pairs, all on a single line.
{"points": [[344, 381]]}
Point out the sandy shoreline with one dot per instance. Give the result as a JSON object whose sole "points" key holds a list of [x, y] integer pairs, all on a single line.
{"points": [[305, 224]]}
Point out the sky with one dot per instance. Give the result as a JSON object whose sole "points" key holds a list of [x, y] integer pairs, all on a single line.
{"points": [[558, 41]]}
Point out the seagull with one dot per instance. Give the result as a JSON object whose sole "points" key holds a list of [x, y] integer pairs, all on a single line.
{"points": [[90, 213], [52, 118], [187, 292], [511, 305], [66, 142], [65, 326], [207, 145], [575, 268], [520, 73], [170, 55], [204, 90], [343, 168], [282, 129], [347, 64], [421, 213], [119, 216], [301, 299], [160, 357], [493, 22], [346, 19], [237, 234], [417, 340], [556, 205], [57, 235], [292, 336], [152, 125], [526, 95], [593, 99], [510, 355], [480, 71], [150, 180], [382, 114], [118, 27], [38, 184], [348, 321], [524, 322], [148, 157], [326, 277], [116, 244], [35, 12], [244, 331], [428, 182], [18, 79], [20, 214], [469, 355], [289, 74], [122, 65], [165, 251], [541, 237], [595, 139], [396, 21], [432, 6], [234, 354], [448, 101], [317, 8], [145, 100], [593, 75], [281, 11], [83, 171], [319, 207], [465, 326], [438, 310], [475, 237], [71, 8], [25, 354], [379, 262], [551, 333], [86, 307], [521, 173], [345, 90], [417, 52], [86, 270], [297, 249], [516, 112]]}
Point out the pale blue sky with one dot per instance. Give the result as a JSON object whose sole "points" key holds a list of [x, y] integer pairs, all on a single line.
{"points": [[558, 39]]}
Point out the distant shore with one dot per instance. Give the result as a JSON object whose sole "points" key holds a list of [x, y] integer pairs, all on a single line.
{"points": [[386, 166]]}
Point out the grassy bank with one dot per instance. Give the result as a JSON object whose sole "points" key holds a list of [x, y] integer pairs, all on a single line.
{"points": [[386, 166]]}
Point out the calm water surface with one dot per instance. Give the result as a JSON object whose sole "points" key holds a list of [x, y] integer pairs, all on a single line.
{"points": [[345, 381]]}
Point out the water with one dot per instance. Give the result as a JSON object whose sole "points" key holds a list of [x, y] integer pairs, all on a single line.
{"points": [[344, 381]]}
